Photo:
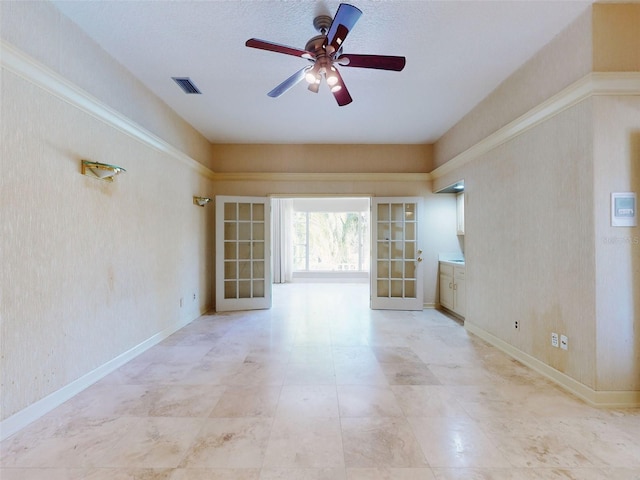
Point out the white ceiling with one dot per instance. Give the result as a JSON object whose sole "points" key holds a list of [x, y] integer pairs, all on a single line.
{"points": [[457, 53]]}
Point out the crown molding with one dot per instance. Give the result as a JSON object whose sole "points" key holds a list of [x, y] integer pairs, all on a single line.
{"points": [[35, 72], [593, 84], [319, 177]]}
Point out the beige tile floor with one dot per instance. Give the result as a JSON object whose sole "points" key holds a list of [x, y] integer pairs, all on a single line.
{"points": [[322, 388]]}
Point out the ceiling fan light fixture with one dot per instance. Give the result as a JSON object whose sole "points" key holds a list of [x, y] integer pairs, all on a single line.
{"points": [[336, 88], [310, 76], [332, 77]]}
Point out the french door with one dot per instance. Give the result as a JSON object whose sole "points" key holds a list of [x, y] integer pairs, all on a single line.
{"points": [[243, 263], [396, 273]]}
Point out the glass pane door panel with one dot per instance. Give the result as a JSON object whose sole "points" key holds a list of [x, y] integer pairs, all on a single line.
{"points": [[244, 250], [230, 289], [258, 269], [258, 231], [244, 231], [397, 250], [383, 250], [230, 211], [410, 270], [383, 212], [244, 211], [258, 212], [409, 288], [410, 231], [383, 288], [410, 211], [244, 289], [397, 212], [230, 231], [383, 269], [397, 269], [258, 288], [258, 251], [244, 270], [230, 250], [410, 250], [397, 231], [230, 270], [396, 288], [384, 231]]}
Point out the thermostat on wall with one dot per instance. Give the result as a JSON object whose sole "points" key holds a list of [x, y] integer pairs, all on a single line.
{"points": [[623, 210]]}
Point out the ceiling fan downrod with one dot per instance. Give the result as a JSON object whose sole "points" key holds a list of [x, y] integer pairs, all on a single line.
{"points": [[322, 23]]}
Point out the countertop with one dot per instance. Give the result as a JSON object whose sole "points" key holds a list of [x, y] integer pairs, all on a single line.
{"points": [[457, 263]]}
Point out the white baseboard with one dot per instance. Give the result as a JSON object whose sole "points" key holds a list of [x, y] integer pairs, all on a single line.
{"points": [[36, 410], [608, 399]]}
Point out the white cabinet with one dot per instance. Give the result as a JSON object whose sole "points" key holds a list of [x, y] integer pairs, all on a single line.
{"points": [[452, 288], [459, 291], [460, 213], [446, 286]]}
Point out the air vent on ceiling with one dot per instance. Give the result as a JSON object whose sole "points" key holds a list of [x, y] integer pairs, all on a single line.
{"points": [[186, 84]]}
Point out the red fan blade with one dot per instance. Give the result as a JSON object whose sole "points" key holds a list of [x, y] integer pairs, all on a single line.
{"points": [[346, 17], [276, 47], [341, 94], [289, 83], [381, 62]]}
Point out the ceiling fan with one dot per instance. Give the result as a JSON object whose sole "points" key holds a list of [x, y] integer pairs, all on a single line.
{"points": [[324, 51]]}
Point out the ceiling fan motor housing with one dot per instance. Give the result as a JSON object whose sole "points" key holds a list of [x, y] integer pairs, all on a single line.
{"points": [[316, 45]]}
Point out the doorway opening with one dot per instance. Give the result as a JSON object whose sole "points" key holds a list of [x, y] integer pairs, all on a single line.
{"points": [[321, 240], [247, 266]]}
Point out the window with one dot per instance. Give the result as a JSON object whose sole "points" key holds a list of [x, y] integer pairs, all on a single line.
{"points": [[331, 241]]}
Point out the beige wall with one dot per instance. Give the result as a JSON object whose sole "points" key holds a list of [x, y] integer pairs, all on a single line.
{"points": [[561, 62], [38, 29], [616, 42], [617, 169], [89, 269], [323, 158], [539, 245], [529, 242]]}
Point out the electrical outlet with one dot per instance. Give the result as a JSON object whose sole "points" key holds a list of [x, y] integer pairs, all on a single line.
{"points": [[517, 325], [194, 296], [564, 342], [554, 340]]}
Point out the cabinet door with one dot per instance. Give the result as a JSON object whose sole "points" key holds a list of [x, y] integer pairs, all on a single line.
{"points": [[460, 297], [446, 291]]}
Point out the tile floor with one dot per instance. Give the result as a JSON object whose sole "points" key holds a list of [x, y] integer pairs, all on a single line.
{"points": [[322, 388]]}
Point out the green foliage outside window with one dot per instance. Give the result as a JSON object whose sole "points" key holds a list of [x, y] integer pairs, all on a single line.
{"points": [[330, 241]]}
